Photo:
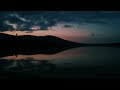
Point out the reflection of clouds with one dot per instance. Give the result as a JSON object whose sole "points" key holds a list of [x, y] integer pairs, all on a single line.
{"points": [[35, 62], [29, 58], [28, 65], [14, 64]]}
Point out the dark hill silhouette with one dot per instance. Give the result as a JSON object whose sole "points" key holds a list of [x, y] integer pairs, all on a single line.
{"points": [[29, 40], [28, 45]]}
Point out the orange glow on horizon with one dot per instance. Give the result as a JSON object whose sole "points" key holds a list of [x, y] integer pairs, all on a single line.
{"points": [[64, 34], [60, 55]]}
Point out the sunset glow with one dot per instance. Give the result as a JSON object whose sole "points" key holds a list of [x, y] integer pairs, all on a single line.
{"points": [[60, 44], [60, 32], [78, 26]]}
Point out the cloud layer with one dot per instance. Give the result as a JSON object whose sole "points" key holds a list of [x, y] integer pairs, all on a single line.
{"points": [[42, 20]]}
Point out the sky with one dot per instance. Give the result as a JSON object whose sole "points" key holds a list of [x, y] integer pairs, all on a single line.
{"points": [[77, 26]]}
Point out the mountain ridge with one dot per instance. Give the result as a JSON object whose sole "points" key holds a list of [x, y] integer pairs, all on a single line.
{"points": [[8, 37], [29, 45]]}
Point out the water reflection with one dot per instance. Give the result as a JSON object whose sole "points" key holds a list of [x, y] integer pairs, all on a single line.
{"points": [[27, 65], [88, 62]]}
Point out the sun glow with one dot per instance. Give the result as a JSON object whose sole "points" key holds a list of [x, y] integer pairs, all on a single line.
{"points": [[65, 33]]}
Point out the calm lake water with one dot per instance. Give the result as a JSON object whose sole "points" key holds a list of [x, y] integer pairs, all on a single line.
{"points": [[83, 62]]}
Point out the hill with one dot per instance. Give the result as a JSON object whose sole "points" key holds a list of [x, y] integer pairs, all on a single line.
{"points": [[28, 45]]}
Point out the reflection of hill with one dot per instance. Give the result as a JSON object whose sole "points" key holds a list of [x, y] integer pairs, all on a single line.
{"points": [[30, 51], [28, 45]]}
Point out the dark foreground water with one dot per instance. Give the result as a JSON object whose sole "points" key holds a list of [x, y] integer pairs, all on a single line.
{"points": [[83, 62]]}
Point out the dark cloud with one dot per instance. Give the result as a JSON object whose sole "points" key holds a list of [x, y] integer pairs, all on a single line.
{"points": [[45, 19], [29, 31], [67, 26]]}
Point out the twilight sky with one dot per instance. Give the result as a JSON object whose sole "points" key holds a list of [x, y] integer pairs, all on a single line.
{"points": [[78, 26]]}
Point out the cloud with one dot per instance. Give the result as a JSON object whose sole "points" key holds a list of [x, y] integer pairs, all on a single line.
{"points": [[29, 31], [21, 18], [11, 24], [67, 26], [35, 28], [25, 20]]}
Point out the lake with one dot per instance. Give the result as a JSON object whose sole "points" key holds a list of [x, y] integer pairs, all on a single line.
{"points": [[82, 62]]}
